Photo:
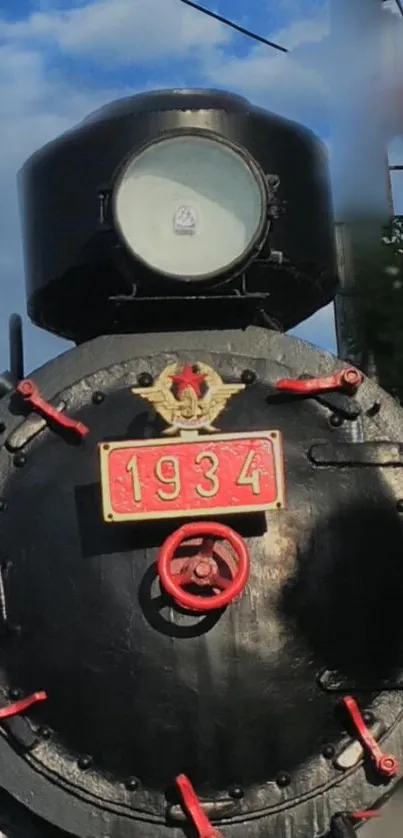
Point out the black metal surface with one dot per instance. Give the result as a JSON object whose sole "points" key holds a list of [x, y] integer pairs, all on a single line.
{"points": [[20, 730], [6, 384], [16, 347], [380, 453], [72, 257], [136, 689], [333, 681], [27, 430], [104, 575], [342, 404], [342, 827]]}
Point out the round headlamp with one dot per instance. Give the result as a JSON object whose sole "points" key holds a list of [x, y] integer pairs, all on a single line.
{"points": [[191, 206]]}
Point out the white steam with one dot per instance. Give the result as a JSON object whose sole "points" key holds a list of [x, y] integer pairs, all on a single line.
{"points": [[364, 69]]}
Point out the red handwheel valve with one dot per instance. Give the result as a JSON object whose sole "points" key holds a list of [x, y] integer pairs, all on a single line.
{"points": [[203, 570]]}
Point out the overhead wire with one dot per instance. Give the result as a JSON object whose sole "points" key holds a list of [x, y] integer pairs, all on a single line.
{"points": [[233, 25]]}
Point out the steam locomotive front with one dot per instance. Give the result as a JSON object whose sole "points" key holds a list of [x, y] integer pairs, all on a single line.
{"points": [[197, 629]]}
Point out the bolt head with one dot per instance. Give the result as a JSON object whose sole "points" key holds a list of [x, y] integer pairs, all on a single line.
{"points": [[85, 762], [236, 792], [203, 569], [248, 377], [15, 693], [20, 460], [145, 379], [132, 784], [283, 779]]}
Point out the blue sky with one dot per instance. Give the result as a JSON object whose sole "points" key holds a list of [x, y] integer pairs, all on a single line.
{"points": [[59, 60]]}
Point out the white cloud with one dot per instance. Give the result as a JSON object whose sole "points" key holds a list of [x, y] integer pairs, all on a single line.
{"points": [[35, 109], [295, 85], [285, 83], [37, 103], [125, 31], [391, 6]]}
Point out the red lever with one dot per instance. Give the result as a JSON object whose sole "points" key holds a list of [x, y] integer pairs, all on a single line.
{"points": [[21, 705], [368, 813], [30, 393], [193, 808], [386, 764], [348, 380]]}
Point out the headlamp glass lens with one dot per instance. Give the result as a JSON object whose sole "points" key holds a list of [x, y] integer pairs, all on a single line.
{"points": [[189, 206]]}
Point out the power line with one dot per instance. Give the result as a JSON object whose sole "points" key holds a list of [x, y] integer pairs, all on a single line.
{"points": [[233, 25]]}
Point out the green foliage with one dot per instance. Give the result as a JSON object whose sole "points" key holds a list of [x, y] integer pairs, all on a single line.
{"points": [[380, 295]]}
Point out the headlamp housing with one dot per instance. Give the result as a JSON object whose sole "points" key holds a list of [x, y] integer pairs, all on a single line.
{"points": [[177, 210], [191, 206]]}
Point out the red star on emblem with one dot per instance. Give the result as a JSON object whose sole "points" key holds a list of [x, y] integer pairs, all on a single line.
{"points": [[188, 378]]}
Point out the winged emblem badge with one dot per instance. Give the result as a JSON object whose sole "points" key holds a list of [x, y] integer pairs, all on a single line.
{"points": [[188, 398]]}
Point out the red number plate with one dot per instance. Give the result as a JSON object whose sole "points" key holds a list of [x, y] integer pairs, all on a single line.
{"points": [[161, 478]]}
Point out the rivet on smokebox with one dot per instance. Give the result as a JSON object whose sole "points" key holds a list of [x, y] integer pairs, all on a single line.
{"points": [[145, 379], [236, 792], [283, 779], [248, 377], [15, 693], [20, 460], [132, 783], [84, 762]]}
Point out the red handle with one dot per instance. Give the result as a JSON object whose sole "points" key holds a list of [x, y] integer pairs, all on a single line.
{"points": [[21, 705], [203, 570], [348, 380], [365, 815], [191, 804], [28, 390], [386, 764]]}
